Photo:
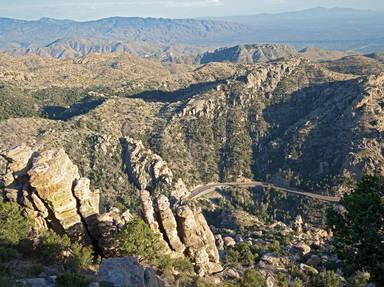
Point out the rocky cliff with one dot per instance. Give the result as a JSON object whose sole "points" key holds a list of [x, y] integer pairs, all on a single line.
{"points": [[49, 188], [180, 223]]}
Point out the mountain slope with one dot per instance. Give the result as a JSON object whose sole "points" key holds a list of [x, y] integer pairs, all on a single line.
{"points": [[249, 54], [292, 122], [41, 33]]}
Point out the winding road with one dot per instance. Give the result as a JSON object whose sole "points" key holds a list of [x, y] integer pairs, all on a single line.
{"points": [[205, 189]]}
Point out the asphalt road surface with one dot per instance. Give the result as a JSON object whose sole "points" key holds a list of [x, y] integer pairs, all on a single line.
{"points": [[205, 189]]}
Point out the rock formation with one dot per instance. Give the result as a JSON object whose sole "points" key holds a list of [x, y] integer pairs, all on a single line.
{"points": [[181, 223], [49, 188]]}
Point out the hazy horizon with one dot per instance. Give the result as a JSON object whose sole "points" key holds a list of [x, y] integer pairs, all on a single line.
{"points": [[83, 10]]}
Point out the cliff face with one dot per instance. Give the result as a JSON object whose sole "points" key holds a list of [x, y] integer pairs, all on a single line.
{"points": [[49, 188], [180, 223]]}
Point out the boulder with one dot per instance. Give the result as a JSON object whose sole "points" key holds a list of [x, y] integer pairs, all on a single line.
{"points": [[38, 282], [314, 260], [127, 272], [270, 260], [229, 241], [298, 224], [308, 269], [149, 171], [219, 242], [302, 248], [49, 188]]}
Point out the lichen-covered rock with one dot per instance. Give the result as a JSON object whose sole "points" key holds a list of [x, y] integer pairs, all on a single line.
{"points": [[52, 175], [148, 211], [229, 241], [104, 227], [18, 159], [298, 224], [183, 228], [198, 239], [302, 248], [49, 188], [89, 200], [169, 224]]}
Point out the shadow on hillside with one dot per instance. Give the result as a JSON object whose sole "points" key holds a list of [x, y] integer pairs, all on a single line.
{"points": [[61, 113], [178, 95], [311, 133]]}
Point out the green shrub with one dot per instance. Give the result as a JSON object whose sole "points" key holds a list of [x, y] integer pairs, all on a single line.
{"points": [[51, 247], [14, 227], [137, 239], [274, 247], [326, 279], [7, 254], [281, 280], [252, 278], [242, 253], [183, 265], [81, 257], [298, 283], [201, 282], [8, 282], [70, 279], [358, 230]]}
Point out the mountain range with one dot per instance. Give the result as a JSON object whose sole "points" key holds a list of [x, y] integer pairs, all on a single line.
{"points": [[341, 29]]}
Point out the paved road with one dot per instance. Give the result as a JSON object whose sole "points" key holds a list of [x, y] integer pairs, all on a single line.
{"points": [[205, 189]]}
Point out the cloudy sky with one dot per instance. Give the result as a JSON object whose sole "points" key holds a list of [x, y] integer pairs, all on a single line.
{"points": [[93, 9]]}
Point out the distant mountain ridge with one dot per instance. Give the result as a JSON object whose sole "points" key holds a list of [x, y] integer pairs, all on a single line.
{"points": [[326, 28], [335, 29]]}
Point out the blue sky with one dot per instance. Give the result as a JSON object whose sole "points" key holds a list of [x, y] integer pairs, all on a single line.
{"points": [[93, 9]]}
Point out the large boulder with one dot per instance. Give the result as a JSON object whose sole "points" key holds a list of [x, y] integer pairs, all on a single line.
{"points": [[127, 272]]}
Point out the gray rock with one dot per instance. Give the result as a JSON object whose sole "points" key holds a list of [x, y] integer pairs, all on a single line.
{"points": [[151, 279], [308, 269], [36, 282], [126, 272], [314, 260]]}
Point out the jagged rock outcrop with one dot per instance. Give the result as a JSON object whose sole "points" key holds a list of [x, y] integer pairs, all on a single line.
{"points": [[52, 177], [148, 210], [181, 224], [149, 171], [49, 188], [169, 224], [198, 239]]}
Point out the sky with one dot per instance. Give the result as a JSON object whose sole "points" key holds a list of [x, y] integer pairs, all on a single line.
{"points": [[95, 9]]}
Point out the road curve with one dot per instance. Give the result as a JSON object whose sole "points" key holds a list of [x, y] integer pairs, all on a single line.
{"points": [[205, 189]]}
